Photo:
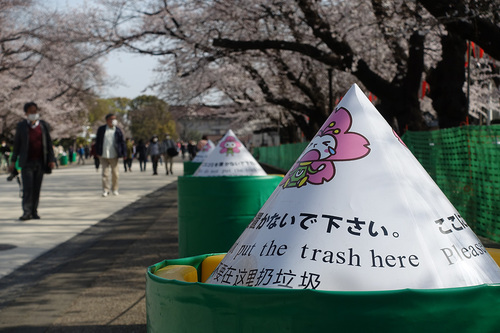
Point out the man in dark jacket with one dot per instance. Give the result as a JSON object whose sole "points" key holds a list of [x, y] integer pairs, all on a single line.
{"points": [[35, 156], [110, 145]]}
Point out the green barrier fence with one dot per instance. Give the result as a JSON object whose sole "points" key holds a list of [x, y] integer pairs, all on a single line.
{"points": [[176, 306], [464, 162], [282, 156]]}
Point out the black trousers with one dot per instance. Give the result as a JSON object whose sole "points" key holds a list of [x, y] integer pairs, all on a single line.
{"points": [[142, 165], [154, 160], [32, 176], [127, 163]]}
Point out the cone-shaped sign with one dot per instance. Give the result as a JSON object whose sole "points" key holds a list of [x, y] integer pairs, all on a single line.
{"points": [[229, 158], [204, 152], [357, 212]]}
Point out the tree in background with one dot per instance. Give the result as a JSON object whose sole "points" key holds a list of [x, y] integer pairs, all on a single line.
{"points": [[149, 116], [479, 23], [272, 55], [98, 108], [41, 61], [270, 59]]}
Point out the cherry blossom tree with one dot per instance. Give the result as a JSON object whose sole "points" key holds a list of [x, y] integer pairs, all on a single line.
{"points": [[40, 62], [278, 53], [479, 23], [272, 59]]}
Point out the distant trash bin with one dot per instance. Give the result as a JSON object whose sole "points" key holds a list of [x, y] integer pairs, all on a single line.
{"points": [[190, 167], [73, 157], [214, 211], [64, 160]]}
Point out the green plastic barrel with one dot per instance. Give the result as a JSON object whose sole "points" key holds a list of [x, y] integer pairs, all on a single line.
{"points": [[64, 160], [190, 167], [214, 211], [176, 306]]}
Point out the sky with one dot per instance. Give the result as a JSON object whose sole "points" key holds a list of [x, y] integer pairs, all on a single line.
{"points": [[132, 72]]}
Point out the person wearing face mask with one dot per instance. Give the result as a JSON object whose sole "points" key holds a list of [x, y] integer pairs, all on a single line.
{"points": [[34, 153], [154, 150], [110, 145]]}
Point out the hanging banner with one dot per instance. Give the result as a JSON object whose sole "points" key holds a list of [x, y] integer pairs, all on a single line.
{"points": [[229, 158], [357, 212]]}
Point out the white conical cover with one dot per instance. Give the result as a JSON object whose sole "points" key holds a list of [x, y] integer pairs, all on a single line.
{"points": [[204, 152], [229, 158], [357, 212]]}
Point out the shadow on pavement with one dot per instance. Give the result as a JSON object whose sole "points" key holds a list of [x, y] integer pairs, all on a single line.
{"points": [[94, 282]]}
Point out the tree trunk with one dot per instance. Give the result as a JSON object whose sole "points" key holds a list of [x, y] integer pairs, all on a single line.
{"points": [[399, 99], [446, 82]]}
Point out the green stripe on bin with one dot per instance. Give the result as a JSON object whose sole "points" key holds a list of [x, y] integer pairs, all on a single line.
{"points": [[175, 306], [190, 167], [214, 211]]}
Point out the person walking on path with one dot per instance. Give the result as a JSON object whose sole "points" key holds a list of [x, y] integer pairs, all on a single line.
{"points": [[35, 155], [110, 145], [154, 152], [202, 143], [71, 154], [183, 149], [191, 148], [93, 153], [56, 156], [129, 155], [142, 156], [4, 155], [81, 153], [169, 150]]}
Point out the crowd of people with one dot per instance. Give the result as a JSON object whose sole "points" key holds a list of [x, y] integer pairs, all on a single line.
{"points": [[35, 154], [156, 151], [134, 151]]}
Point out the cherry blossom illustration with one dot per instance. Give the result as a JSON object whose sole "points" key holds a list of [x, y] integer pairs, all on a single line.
{"points": [[333, 143], [230, 146]]}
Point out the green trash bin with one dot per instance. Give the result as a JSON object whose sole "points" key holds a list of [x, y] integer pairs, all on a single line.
{"points": [[190, 167], [214, 211], [177, 306], [64, 160]]}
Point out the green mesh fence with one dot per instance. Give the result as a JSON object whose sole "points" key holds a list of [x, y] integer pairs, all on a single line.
{"points": [[464, 162], [282, 156]]}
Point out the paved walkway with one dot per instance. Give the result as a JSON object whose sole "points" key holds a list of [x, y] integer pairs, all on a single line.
{"points": [[81, 268]]}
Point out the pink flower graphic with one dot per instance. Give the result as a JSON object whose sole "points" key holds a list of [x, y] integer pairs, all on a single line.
{"points": [[206, 147], [333, 143], [230, 146]]}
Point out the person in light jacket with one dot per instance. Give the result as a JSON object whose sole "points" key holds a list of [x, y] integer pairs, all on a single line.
{"points": [[110, 145]]}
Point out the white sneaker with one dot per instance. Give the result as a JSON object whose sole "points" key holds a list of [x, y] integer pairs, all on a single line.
{"points": [[115, 193], [105, 194]]}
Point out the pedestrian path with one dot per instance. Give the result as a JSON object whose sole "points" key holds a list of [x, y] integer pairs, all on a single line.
{"points": [[70, 202]]}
